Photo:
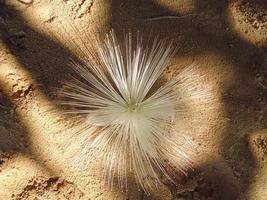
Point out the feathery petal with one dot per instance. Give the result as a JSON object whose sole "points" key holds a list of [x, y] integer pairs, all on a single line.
{"points": [[130, 123]]}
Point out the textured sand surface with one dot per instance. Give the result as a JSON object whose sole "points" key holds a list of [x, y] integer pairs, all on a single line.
{"points": [[227, 40]]}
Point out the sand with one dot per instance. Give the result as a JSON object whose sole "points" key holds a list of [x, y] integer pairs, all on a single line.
{"points": [[227, 40]]}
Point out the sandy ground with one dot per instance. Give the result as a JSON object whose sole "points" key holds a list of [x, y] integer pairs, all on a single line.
{"points": [[226, 39]]}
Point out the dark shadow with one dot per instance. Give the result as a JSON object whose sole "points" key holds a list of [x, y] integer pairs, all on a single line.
{"points": [[210, 181], [13, 136]]}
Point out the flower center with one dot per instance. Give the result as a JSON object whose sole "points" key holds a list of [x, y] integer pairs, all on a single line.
{"points": [[133, 108]]}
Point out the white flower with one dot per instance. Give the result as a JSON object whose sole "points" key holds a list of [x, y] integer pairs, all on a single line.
{"points": [[130, 118]]}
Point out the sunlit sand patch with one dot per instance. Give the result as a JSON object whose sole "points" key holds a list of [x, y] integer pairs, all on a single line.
{"points": [[181, 7], [17, 171], [248, 21], [49, 22], [258, 146]]}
